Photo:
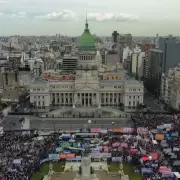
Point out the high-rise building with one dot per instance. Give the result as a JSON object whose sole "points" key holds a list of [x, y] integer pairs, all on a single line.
{"points": [[69, 62], [171, 49], [115, 35], [155, 70]]}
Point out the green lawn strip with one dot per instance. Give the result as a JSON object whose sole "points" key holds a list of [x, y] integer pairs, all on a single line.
{"points": [[132, 175], [114, 167], [44, 169]]}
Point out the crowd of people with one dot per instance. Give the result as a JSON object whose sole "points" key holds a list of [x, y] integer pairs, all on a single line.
{"points": [[20, 155], [152, 147]]}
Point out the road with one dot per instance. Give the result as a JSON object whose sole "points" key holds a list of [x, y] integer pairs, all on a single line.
{"points": [[151, 103], [77, 124]]}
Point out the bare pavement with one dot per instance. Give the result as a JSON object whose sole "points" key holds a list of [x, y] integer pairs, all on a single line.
{"points": [[72, 124]]}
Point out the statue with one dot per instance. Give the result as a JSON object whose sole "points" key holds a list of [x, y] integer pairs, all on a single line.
{"points": [[86, 170], [51, 172], [121, 168], [50, 166]]}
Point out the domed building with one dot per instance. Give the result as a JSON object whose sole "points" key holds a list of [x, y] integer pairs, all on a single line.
{"points": [[90, 89], [86, 41], [86, 47]]}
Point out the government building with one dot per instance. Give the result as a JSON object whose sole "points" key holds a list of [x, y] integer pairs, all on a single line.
{"points": [[91, 88]]}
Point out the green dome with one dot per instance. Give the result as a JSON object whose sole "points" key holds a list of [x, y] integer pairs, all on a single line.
{"points": [[86, 40]]}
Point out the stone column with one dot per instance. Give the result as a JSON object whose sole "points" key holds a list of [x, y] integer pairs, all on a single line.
{"points": [[80, 98], [64, 98], [59, 98], [68, 98], [108, 98], [88, 100], [113, 99], [75, 98], [98, 98]]}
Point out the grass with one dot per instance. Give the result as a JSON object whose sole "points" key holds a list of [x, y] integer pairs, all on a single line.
{"points": [[44, 169], [67, 113], [106, 113], [128, 170]]}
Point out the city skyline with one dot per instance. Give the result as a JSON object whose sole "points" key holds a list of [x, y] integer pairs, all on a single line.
{"points": [[68, 17]]}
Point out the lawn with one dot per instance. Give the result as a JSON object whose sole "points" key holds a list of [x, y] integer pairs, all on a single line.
{"points": [[114, 167], [44, 169]]}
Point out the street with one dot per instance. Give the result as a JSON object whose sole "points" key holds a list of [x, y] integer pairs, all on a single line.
{"points": [[152, 104], [77, 124]]}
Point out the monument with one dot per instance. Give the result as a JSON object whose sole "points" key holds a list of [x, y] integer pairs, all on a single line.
{"points": [[50, 173], [86, 172]]}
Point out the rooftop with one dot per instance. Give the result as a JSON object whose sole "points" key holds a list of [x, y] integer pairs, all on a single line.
{"points": [[39, 81], [117, 82]]}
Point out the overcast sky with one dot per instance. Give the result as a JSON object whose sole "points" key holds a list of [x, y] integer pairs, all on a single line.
{"points": [[67, 17]]}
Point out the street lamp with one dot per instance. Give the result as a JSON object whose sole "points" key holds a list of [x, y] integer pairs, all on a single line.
{"points": [[89, 121], [112, 124]]}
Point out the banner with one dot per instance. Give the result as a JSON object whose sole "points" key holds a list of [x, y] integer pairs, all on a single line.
{"points": [[117, 130], [53, 156], [104, 131], [142, 130], [124, 130], [66, 156], [154, 156], [116, 159], [95, 130], [59, 149], [159, 137], [100, 154], [17, 161]]}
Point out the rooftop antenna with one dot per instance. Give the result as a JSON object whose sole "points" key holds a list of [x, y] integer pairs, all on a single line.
{"points": [[86, 16], [86, 26]]}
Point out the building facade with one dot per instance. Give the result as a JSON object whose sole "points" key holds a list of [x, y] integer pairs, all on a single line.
{"points": [[155, 70], [170, 88], [90, 88]]}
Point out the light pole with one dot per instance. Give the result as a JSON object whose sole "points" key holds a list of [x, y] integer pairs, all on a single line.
{"points": [[89, 122], [112, 125]]}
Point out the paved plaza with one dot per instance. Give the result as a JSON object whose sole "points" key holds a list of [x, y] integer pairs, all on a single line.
{"points": [[100, 175]]}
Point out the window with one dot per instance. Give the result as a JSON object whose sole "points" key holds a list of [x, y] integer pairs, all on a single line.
{"points": [[129, 97], [129, 103]]}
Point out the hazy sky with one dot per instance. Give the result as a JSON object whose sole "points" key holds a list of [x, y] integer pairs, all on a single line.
{"points": [[67, 17]]}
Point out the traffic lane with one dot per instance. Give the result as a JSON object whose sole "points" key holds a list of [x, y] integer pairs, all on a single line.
{"points": [[152, 104], [81, 122], [54, 125], [72, 127]]}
